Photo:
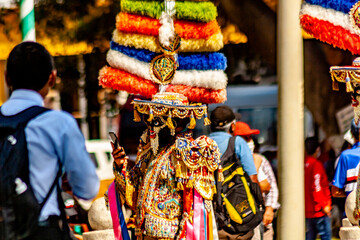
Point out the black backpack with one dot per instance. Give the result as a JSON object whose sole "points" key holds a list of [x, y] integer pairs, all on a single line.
{"points": [[19, 209], [239, 205]]}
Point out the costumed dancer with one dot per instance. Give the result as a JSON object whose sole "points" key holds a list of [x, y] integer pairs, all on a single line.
{"points": [[166, 51], [337, 22]]}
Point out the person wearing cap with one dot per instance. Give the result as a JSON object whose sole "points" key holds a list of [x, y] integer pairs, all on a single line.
{"points": [[267, 182], [347, 168], [222, 126]]}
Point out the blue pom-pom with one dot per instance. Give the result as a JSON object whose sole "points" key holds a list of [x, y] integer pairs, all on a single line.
{"points": [[338, 5], [187, 61]]}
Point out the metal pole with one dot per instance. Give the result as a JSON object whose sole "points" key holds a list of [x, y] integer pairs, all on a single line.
{"points": [[27, 20], [291, 121]]}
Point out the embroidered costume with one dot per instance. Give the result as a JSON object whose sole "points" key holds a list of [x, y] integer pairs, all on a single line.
{"points": [[165, 51]]}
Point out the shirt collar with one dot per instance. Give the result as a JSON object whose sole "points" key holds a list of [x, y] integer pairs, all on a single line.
{"points": [[357, 144], [29, 95], [220, 134]]}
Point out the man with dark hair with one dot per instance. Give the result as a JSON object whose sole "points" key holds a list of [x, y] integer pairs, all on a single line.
{"points": [[347, 169], [317, 194], [53, 138], [222, 126]]}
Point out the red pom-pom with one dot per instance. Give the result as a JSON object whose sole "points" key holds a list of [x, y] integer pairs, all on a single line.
{"points": [[331, 34]]}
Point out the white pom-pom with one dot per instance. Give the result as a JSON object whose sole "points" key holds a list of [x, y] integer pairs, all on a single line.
{"points": [[167, 29]]}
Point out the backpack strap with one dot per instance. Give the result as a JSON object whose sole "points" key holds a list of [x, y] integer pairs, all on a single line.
{"points": [[230, 150], [22, 117], [55, 183]]}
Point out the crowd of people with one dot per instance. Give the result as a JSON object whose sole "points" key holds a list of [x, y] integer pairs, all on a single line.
{"points": [[54, 136]]}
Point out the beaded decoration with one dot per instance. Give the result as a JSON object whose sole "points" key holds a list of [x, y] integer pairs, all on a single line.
{"points": [[170, 105], [350, 75]]}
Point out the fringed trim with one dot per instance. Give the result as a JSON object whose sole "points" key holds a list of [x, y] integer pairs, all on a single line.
{"points": [[187, 61], [334, 35], [130, 23], [214, 79], [213, 44], [338, 5], [187, 10], [121, 80]]}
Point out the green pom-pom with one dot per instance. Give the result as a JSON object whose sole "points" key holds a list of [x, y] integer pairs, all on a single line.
{"points": [[194, 11]]}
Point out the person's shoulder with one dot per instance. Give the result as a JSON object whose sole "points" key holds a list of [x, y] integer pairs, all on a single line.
{"points": [[350, 154], [240, 140], [55, 118]]}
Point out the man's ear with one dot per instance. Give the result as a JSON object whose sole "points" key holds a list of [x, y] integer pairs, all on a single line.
{"points": [[52, 78], [232, 128]]}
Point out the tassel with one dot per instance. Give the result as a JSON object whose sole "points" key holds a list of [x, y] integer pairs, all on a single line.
{"points": [[220, 174], [151, 115], [180, 186], [143, 167], [349, 87], [335, 85], [192, 124], [214, 188], [190, 183], [137, 117], [169, 122], [207, 121], [178, 170]]}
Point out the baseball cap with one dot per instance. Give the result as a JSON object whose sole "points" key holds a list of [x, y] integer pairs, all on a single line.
{"points": [[243, 129], [221, 116]]}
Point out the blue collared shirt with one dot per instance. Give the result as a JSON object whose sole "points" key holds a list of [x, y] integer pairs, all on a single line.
{"points": [[347, 169], [51, 136], [241, 149]]}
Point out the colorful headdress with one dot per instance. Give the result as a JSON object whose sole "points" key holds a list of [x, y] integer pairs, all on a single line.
{"points": [[150, 49], [351, 76], [336, 22], [170, 105]]}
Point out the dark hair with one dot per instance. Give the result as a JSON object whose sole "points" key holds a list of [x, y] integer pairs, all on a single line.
{"points": [[29, 66], [221, 116], [355, 129], [311, 144]]}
